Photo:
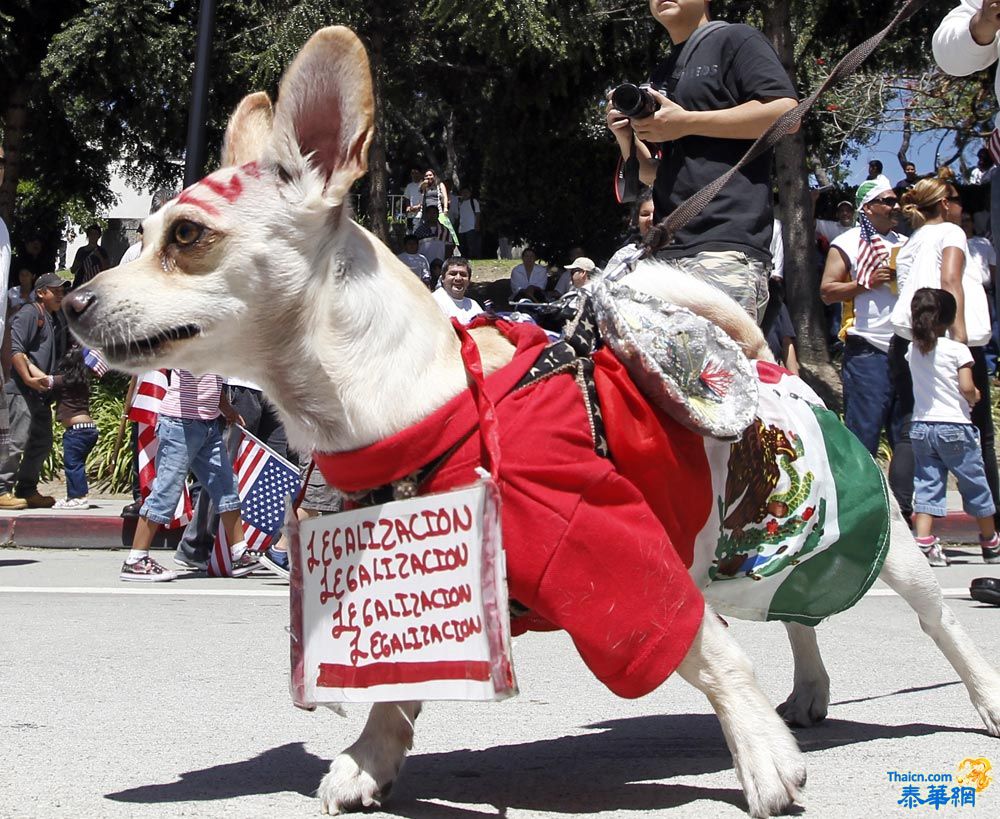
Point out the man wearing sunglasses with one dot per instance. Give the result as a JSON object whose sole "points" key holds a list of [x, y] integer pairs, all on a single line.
{"points": [[869, 399]]}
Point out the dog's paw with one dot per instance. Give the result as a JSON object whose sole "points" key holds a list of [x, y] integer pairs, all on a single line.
{"points": [[772, 771], [348, 787], [806, 706], [988, 707]]}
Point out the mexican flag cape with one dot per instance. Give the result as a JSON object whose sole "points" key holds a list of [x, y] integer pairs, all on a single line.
{"points": [[791, 522]]}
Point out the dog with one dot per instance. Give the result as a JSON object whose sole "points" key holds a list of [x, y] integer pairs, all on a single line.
{"points": [[259, 271]]}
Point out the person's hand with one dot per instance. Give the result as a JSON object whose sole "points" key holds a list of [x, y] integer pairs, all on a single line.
{"points": [[617, 122], [881, 276], [233, 417], [666, 125], [985, 23], [39, 383], [978, 395]]}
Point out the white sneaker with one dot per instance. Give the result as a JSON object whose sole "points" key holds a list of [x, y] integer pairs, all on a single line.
{"points": [[935, 554], [72, 503]]}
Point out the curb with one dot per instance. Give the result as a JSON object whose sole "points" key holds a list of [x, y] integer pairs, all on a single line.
{"points": [[28, 531]]}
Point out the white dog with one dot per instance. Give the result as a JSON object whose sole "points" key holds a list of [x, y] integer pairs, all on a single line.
{"points": [[258, 271]]}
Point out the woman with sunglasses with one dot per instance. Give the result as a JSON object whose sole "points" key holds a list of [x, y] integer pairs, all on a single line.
{"points": [[936, 256]]}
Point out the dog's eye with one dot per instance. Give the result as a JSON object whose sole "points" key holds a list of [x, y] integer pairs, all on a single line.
{"points": [[186, 232]]}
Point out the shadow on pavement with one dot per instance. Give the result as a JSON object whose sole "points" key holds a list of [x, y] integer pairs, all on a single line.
{"points": [[285, 768], [5, 563], [915, 690], [616, 767]]}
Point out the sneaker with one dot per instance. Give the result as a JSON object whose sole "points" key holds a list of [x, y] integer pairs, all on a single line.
{"points": [[277, 562], [935, 554], [72, 503], [9, 501], [145, 570], [37, 501], [245, 565], [189, 563], [991, 549]]}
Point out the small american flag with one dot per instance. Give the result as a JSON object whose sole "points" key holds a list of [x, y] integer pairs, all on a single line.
{"points": [[265, 481], [96, 361], [872, 252]]}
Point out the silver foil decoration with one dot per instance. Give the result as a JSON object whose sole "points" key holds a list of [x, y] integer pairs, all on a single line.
{"points": [[687, 366]]}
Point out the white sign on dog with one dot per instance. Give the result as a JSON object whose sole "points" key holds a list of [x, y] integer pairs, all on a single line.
{"points": [[403, 601]]}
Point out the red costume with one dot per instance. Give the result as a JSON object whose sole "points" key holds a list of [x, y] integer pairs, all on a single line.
{"points": [[585, 552]]}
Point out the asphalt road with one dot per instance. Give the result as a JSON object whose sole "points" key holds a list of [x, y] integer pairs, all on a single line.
{"points": [[172, 701]]}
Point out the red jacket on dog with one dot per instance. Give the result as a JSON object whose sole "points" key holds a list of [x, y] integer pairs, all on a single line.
{"points": [[585, 552]]}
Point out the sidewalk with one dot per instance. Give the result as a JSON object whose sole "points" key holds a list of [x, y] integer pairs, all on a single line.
{"points": [[102, 527]]}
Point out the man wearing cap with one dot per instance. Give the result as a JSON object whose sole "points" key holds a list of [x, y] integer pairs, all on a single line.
{"points": [[578, 273], [869, 398], [36, 346], [830, 229]]}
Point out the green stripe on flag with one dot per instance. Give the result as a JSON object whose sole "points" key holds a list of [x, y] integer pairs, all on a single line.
{"points": [[837, 577]]}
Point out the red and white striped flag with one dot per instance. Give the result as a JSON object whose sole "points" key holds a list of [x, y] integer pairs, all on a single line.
{"points": [[146, 400], [265, 481], [872, 251]]}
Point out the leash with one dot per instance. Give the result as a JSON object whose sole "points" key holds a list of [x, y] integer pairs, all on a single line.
{"points": [[662, 233]]}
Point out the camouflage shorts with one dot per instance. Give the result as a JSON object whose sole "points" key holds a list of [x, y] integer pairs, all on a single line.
{"points": [[739, 276]]}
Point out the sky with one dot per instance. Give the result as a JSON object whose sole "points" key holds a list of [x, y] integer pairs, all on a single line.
{"points": [[921, 153]]}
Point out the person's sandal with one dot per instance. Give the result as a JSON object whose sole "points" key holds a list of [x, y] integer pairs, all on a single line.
{"points": [[986, 590]]}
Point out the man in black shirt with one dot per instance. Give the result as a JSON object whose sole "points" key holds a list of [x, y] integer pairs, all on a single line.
{"points": [[716, 101], [37, 342]]}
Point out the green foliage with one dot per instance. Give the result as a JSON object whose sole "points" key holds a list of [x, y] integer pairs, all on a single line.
{"points": [[107, 470]]}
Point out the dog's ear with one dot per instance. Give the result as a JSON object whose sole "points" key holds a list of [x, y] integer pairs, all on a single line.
{"points": [[248, 131], [325, 110]]}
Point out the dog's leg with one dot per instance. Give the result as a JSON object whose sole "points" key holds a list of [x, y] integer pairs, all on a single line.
{"points": [[768, 762], [810, 697], [363, 774], [907, 573]]}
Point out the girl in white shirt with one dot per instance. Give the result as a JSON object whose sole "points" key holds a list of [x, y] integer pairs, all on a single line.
{"points": [[943, 435]]}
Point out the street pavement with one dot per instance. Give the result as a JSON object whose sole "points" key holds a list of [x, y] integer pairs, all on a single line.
{"points": [[171, 700]]}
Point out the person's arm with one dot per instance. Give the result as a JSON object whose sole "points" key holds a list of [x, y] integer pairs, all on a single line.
{"points": [[789, 356], [228, 411], [745, 121], [476, 212], [837, 284], [443, 193], [620, 127], [23, 328], [952, 268], [965, 42], [967, 386]]}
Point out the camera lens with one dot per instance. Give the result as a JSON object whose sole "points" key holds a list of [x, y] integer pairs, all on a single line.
{"points": [[627, 98]]}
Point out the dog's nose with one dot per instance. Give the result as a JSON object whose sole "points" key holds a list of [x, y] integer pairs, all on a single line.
{"points": [[77, 302]]}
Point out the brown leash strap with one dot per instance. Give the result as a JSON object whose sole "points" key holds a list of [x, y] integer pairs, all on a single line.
{"points": [[662, 233]]}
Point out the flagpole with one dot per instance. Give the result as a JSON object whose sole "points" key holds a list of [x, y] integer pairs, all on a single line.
{"points": [[194, 160], [121, 426]]}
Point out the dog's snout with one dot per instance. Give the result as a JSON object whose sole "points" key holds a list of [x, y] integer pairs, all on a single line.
{"points": [[78, 302]]}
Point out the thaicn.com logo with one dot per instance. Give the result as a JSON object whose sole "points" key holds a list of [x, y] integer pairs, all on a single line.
{"points": [[941, 789]]}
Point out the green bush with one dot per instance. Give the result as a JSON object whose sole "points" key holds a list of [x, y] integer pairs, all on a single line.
{"points": [[107, 404]]}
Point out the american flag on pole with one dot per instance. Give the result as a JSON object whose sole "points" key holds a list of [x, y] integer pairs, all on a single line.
{"points": [[96, 361], [146, 399], [872, 252], [265, 482]]}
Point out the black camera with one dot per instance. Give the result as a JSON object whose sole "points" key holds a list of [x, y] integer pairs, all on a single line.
{"points": [[634, 101]]}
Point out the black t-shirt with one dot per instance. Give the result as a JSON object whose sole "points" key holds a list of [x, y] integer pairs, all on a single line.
{"points": [[730, 66]]}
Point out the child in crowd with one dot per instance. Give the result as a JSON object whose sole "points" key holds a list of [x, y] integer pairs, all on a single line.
{"points": [[71, 389], [944, 438]]}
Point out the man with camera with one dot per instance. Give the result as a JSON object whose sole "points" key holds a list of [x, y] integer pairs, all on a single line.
{"points": [[718, 90]]}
